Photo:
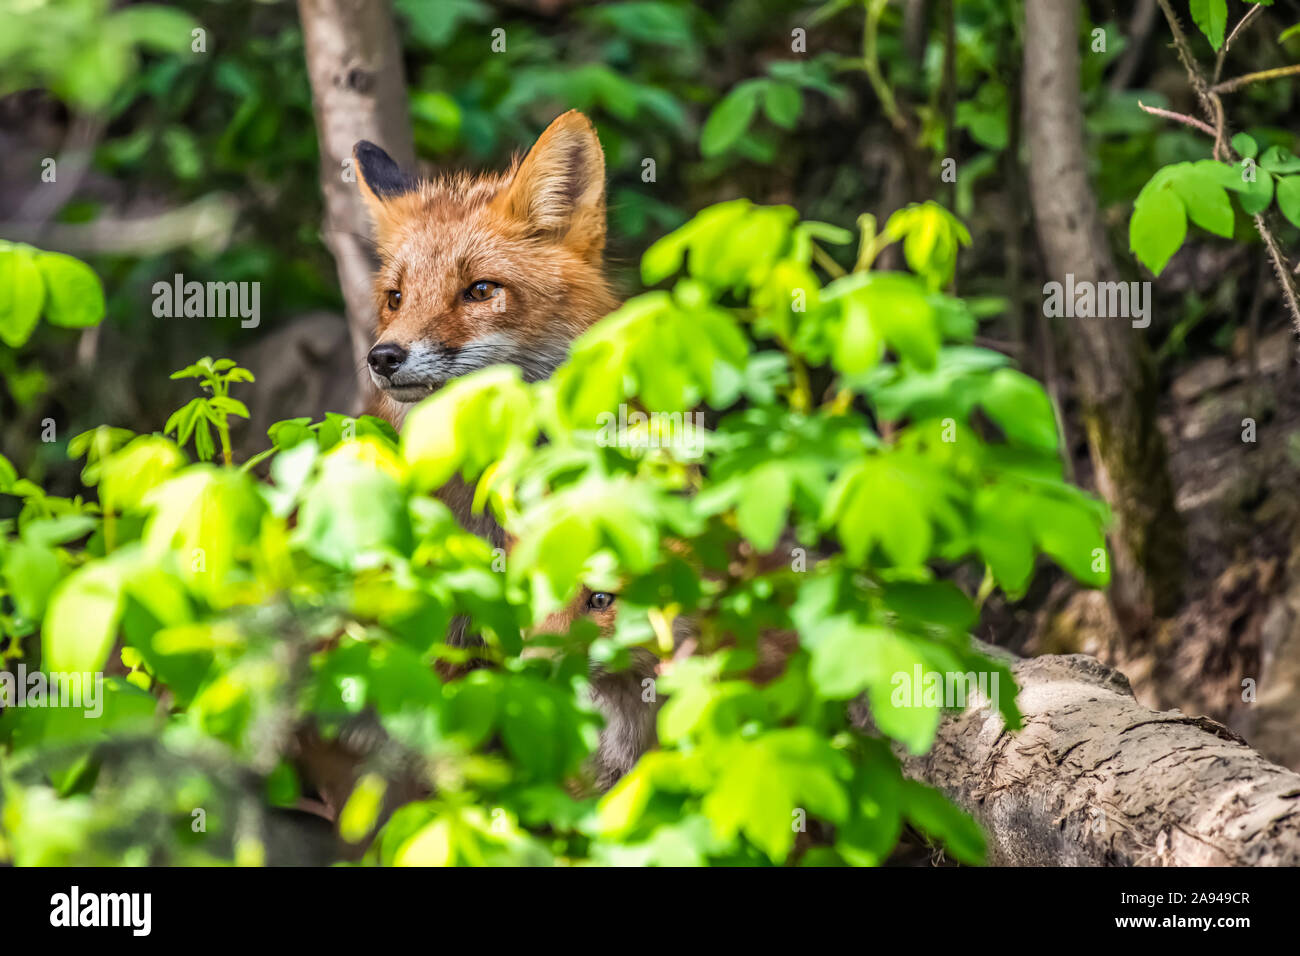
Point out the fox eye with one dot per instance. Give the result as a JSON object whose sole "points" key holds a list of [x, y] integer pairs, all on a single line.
{"points": [[600, 601], [394, 299], [481, 291]]}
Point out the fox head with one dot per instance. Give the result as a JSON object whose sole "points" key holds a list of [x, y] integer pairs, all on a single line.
{"points": [[481, 269]]}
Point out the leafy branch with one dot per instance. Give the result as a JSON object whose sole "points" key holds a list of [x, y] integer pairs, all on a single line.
{"points": [[215, 410], [1160, 197]]}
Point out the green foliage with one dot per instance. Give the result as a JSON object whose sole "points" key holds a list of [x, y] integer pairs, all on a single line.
{"points": [[1199, 191], [214, 409], [33, 282], [778, 97], [1211, 18], [83, 50], [322, 594]]}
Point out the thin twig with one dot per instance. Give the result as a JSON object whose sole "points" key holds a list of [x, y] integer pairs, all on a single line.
{"points": [[1223, 50], [1282, 268], [1230, 86], [871, 66], [1209, 101], [1203, 126]]}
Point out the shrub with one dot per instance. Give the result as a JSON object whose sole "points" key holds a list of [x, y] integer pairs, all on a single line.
{"points": [[860, 449]]}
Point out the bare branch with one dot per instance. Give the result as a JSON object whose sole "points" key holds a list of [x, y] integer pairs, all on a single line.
{"points": [[1223, 51], [1282, 268], [1231, 86], [1179, 117]]}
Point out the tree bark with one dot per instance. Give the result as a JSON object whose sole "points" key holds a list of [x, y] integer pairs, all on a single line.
{"points": [[354, 62], [1095, 779], [1116, 382]]}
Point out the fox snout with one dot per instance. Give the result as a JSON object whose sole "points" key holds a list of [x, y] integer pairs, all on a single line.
{"points": [[386, 358], [408, 373]]}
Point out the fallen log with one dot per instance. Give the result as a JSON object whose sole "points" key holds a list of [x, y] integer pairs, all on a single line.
{"points": [[1095, 779]]}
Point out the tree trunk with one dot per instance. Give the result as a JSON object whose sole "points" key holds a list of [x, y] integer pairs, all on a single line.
{"points": [[1095, 779], [359, 92], [1111, 360]]}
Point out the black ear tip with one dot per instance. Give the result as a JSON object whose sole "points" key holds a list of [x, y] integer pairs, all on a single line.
{"points": [[380, 172]]}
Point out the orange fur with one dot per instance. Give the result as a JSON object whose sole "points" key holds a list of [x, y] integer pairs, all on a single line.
{"points": [[537, 231]]}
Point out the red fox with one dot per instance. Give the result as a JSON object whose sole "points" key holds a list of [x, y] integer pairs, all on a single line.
{"points": [[477, 270]]}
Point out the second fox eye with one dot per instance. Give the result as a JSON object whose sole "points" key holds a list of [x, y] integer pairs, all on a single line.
{"points": [[394, 299], [481, 291], [600, 600]]}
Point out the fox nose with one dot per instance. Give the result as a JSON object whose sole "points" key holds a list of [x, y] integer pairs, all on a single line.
{"points": [[386, 358]]}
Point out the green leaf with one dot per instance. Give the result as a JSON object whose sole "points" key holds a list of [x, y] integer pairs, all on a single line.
{"points": [[782, 103], [157, 28], [1288, 198], [1021, 408], [22, 293], [730, 118], [1257, 195], [764, 501], [849, 658], [353, 514], [1245, 145], [470, 424], [542, 734], [858, 347], [1158, 226], [128, 475], [765, 781], [8, 474], [74, 296], [361, 812], [1204, 200], [1279, 160], [207, 522], [1003, 537], [931, 237], [1211, 16], [81, 623], [898, 310], [894, 500], [158, 625], [30, 572], [1070, 531], [933, 814]]}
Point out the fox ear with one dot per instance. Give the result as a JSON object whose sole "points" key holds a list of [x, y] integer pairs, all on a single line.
{"points": [[381, 180], [559, 188]]}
